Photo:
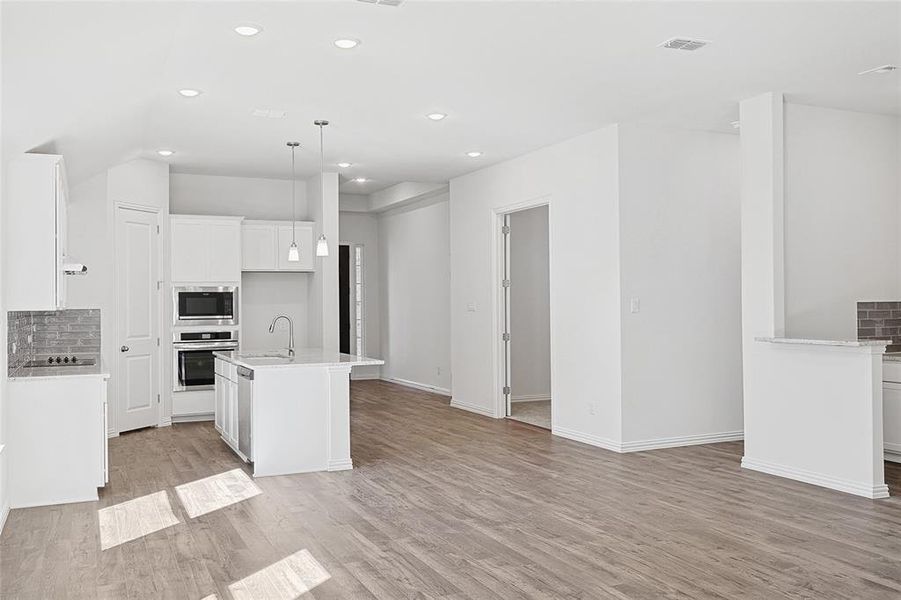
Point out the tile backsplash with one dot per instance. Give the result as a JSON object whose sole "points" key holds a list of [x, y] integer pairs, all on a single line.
{"points": [[39, 335], [880, 321]]}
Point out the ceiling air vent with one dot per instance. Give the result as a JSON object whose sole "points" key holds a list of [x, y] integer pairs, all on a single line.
{"points": [[678, 43], [383, 2]]}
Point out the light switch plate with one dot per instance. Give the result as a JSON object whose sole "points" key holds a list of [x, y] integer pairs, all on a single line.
{"points": [[635, 305]]}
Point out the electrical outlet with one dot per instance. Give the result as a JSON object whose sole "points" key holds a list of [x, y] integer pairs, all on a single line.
{"points": [[635, 305], [14, 348], [438, 371], [592, 408], [471, 307]]}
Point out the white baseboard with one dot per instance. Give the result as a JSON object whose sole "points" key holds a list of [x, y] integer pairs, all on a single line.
{"points": [[4, 509], [820, 479], [72, 500], [586, 438], [643, 445], [419, 386], [473, 408], [532, 398], [193, 418], [685, 440], [892, 453], [4, 513], [340, 465], [364, 376]]}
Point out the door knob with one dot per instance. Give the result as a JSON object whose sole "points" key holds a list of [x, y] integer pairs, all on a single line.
{"points": [[124, 348]]}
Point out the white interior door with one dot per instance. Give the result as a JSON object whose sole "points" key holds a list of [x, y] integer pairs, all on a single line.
{"points": [[137, 274]]}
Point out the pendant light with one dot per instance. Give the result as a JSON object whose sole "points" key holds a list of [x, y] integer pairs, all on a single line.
{"points": [[293, 250], [321, 243]]}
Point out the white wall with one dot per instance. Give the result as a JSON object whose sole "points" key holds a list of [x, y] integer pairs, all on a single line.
{"points": [[681, 258], [264, 297], [841, 217], [578, 178], [363, 229], [530, 311], [91, 239], [250, 197], [415, 273]]}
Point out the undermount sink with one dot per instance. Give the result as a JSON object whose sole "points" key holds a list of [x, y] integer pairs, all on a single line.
{"points": [[267, 359]]}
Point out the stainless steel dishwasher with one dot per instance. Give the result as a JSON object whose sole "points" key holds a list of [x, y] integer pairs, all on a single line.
{"points": [[245, 413]]}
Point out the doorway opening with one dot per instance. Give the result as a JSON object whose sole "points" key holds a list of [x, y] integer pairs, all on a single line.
{"points": [[350, 298], [526, 307]]}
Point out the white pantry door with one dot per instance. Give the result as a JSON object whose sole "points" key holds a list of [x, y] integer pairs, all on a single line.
{"points": [[137, 273]]}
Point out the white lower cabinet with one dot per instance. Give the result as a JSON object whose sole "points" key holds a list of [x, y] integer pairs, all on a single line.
{"points": [[57, 439], [891, 420], [227, 402]]}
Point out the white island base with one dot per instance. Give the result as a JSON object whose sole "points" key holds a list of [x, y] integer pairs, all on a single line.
{"points": [[287, 415]]}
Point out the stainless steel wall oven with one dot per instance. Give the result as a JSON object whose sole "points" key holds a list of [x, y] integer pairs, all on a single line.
{"points": [[194, 364]]}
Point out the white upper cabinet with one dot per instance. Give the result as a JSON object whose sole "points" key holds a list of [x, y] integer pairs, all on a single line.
{"points": [[225, 258], [259, 246], [205, 249], [265, 246], [36, 214]]}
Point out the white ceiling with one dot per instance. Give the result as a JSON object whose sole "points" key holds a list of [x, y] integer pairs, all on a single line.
{"points": [[97, 81]]}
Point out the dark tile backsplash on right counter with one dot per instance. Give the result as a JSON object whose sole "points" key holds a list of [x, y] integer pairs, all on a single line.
{"points": [[880, 321]]}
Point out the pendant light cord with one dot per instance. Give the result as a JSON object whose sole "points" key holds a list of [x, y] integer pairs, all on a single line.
{"points": [[321, 167], [293, 198]]}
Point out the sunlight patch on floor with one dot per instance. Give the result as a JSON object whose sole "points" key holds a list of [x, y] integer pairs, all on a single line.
{"points": [[136, 518], [286, 579], [212, 493]]}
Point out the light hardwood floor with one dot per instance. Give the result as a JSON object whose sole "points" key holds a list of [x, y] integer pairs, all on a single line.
{"points": [[447, 504]]}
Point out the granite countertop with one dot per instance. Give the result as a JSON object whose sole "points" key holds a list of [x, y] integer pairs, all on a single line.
{"points": [[811, 342], [303, 357], [98, 369]]}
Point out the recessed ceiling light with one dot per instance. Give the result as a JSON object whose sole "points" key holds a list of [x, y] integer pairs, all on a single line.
{"points": [[189, 93], [474, 154], [347, 43], [344, 165], [361, 180], [248, 29], [436, 116], [165, 152], [882, 69]]}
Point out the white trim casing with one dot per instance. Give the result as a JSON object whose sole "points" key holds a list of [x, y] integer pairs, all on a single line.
{"points": [[496, 259], [843, 485]]}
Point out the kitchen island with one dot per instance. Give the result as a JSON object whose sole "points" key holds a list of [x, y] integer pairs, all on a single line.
{"points": [[286, 413]]}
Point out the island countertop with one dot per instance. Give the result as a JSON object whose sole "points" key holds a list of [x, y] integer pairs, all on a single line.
{"points": [[303, 357]]}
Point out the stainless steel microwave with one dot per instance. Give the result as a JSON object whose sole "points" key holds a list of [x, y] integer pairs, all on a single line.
{"points": [[197, 306]]}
